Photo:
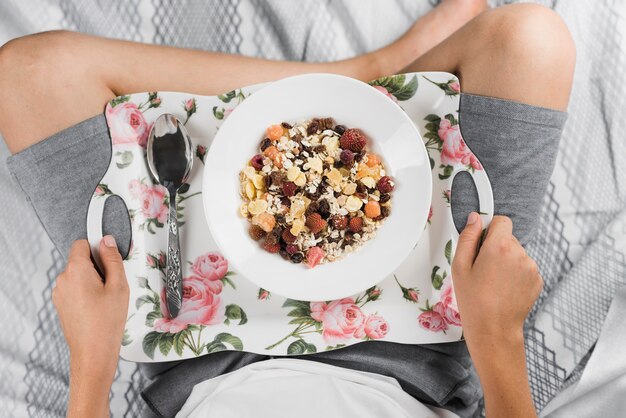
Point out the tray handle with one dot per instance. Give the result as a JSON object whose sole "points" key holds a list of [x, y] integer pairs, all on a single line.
{"points": [[94, 225], [485, 197]]}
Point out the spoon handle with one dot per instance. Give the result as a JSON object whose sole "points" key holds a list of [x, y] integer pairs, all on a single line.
{"points": [[173, 271]]}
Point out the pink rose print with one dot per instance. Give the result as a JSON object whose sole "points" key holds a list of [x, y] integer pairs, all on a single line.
{"points": [[212, 267], [384, 91], [263, 294], [454, 150], [432, 321], [430, 214], [374, 327], [454, 86], [127, 124], [413, 295], [200, 307], [340, 319], [136, 188], [100, 191], [153, 203], [190, 104], [449, 309], [151, 261], [227, 112]]}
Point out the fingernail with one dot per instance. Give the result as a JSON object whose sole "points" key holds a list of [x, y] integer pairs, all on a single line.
{"points": [[472, 218], [109, 241]]}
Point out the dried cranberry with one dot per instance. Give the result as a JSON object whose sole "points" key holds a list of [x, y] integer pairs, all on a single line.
{"points": [[257, 162], [285, 201], [347, 157], [289, 188], [284, 254]]}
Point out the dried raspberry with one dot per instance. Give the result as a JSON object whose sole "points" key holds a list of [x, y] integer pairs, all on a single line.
{"points": [[352, 139], [385, 184], [271, 247], [315, 223], [339, 222], [257, 162], [256, 233], [355, 224], [292, 249], [347, 157], [314, 255], [288, 237], [289, 188]]}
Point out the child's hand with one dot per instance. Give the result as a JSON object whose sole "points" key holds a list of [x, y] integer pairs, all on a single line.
{"points": [[93, 312], [495, 286]]}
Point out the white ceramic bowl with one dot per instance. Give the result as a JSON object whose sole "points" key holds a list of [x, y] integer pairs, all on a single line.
{"points": [[353, 104]]}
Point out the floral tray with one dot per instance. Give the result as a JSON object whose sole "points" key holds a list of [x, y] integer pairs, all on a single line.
{"points": [[224, 311]]}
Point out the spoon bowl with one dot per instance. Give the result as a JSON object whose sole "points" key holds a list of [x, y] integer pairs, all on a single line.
{"points": [[170, 159]]}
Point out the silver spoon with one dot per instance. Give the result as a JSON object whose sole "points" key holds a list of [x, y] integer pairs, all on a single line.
{"points": [[170, 157]]}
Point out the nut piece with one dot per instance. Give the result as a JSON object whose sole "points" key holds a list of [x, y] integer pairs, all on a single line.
{"points": [[250, 190], [257, 206], [296, 227], [369, 182], [334, 177], [249, 172], [349, 188], [258, 182], [300, 180], [353, 203], [314, 164], [293, 173]]}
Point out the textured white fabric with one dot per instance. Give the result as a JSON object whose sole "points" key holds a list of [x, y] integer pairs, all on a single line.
{"points": [[601, 390], [290, 387]]}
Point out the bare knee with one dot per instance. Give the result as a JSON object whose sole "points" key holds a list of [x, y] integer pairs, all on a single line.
{"points": [[40, 76], [525, 43], [524, 31]]}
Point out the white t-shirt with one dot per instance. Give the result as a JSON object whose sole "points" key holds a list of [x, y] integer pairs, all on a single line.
{"points": [[305, 389]]}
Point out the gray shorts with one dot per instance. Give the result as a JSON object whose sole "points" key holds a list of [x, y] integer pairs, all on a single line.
{"points": [[516, 144]]}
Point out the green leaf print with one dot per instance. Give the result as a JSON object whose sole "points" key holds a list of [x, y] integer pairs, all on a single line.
{"points": [[165, 343], [150, 342], [448, 251], [233, 313], [119, 99]]}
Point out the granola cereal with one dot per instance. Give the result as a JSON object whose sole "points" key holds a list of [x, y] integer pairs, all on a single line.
{"points": [[314, 192]]}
